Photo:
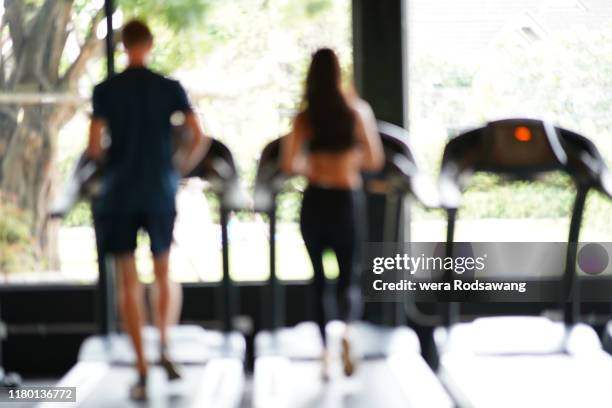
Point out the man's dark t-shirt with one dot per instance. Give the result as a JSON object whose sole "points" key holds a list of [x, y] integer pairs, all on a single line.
{"points": [[139, 174]]}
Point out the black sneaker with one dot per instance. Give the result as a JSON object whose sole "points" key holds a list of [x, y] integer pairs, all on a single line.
{"points": [[138, 391], [170, 368]]}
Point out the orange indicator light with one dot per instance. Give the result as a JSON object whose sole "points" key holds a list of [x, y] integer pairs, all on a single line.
{"points": [[522, 134]]}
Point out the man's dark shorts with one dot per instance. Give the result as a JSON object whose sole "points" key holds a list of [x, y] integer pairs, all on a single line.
{"points": [[117, 232]]}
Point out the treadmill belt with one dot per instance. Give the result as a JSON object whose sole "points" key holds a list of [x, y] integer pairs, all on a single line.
{"points": [[112, 389], [558, 380], [300, 385], [390, 370], [398, 381], [218, 383]]}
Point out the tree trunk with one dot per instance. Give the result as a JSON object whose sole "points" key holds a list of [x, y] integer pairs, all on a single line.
{"points": [[28, 132], [27, 172]]}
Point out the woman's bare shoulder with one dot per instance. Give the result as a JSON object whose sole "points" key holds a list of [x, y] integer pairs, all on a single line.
{"points": [[300, 117], [364, 113], [300, 122], [362, 108]]}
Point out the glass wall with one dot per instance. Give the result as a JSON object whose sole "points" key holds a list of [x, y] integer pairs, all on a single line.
{"points": [[242, 62], [50, 56], [479, 60]]}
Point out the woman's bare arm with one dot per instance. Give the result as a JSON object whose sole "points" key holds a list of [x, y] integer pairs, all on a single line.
{"points": [[293, 161], [373, 156]]}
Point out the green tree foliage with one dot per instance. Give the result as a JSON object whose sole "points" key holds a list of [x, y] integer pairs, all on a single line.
{"points": [[17, 252], [180, 28]]}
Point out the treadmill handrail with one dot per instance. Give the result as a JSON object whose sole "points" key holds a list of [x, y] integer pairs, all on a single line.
{"points": [[585, 156], [269, 177], [217, 167], [400, 162], [400, 165]]}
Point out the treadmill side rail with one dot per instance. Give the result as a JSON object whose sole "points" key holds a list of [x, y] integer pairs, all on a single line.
{"points": [[427, 392], [272, 383], [221, 384]]}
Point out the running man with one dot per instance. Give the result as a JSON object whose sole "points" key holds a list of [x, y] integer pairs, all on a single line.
{"points": [[140, 182]]}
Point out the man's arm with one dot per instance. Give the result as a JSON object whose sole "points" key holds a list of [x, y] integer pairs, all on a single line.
{"points": [[94, 146], [191, 153], [198, 145]]}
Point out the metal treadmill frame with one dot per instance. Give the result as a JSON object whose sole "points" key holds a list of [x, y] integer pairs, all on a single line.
{"points": [[574, 155]]}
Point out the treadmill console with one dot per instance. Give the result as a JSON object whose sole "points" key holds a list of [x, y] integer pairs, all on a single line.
{"points": [[517, 146]]}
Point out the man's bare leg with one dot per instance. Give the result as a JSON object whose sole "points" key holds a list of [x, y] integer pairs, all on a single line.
{"points": [[130, 302], [176, 303], [164, 312]]}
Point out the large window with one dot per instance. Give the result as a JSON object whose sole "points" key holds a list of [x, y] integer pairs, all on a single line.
{"points": [[242, 62], [478, 60], [50, 56]]}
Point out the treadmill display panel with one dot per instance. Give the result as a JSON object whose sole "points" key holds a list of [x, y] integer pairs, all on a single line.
{"points": [[517, 147]]}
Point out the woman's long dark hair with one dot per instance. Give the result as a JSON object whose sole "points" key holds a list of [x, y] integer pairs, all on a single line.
{"points": [[327, 111]]}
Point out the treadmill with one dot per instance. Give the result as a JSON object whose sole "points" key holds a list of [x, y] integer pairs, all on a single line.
{"points": [[529, 361], [391, 371], [212, 361]]}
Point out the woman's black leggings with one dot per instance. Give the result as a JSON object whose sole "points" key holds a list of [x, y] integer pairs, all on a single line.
{"points": [[335, 219]]}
